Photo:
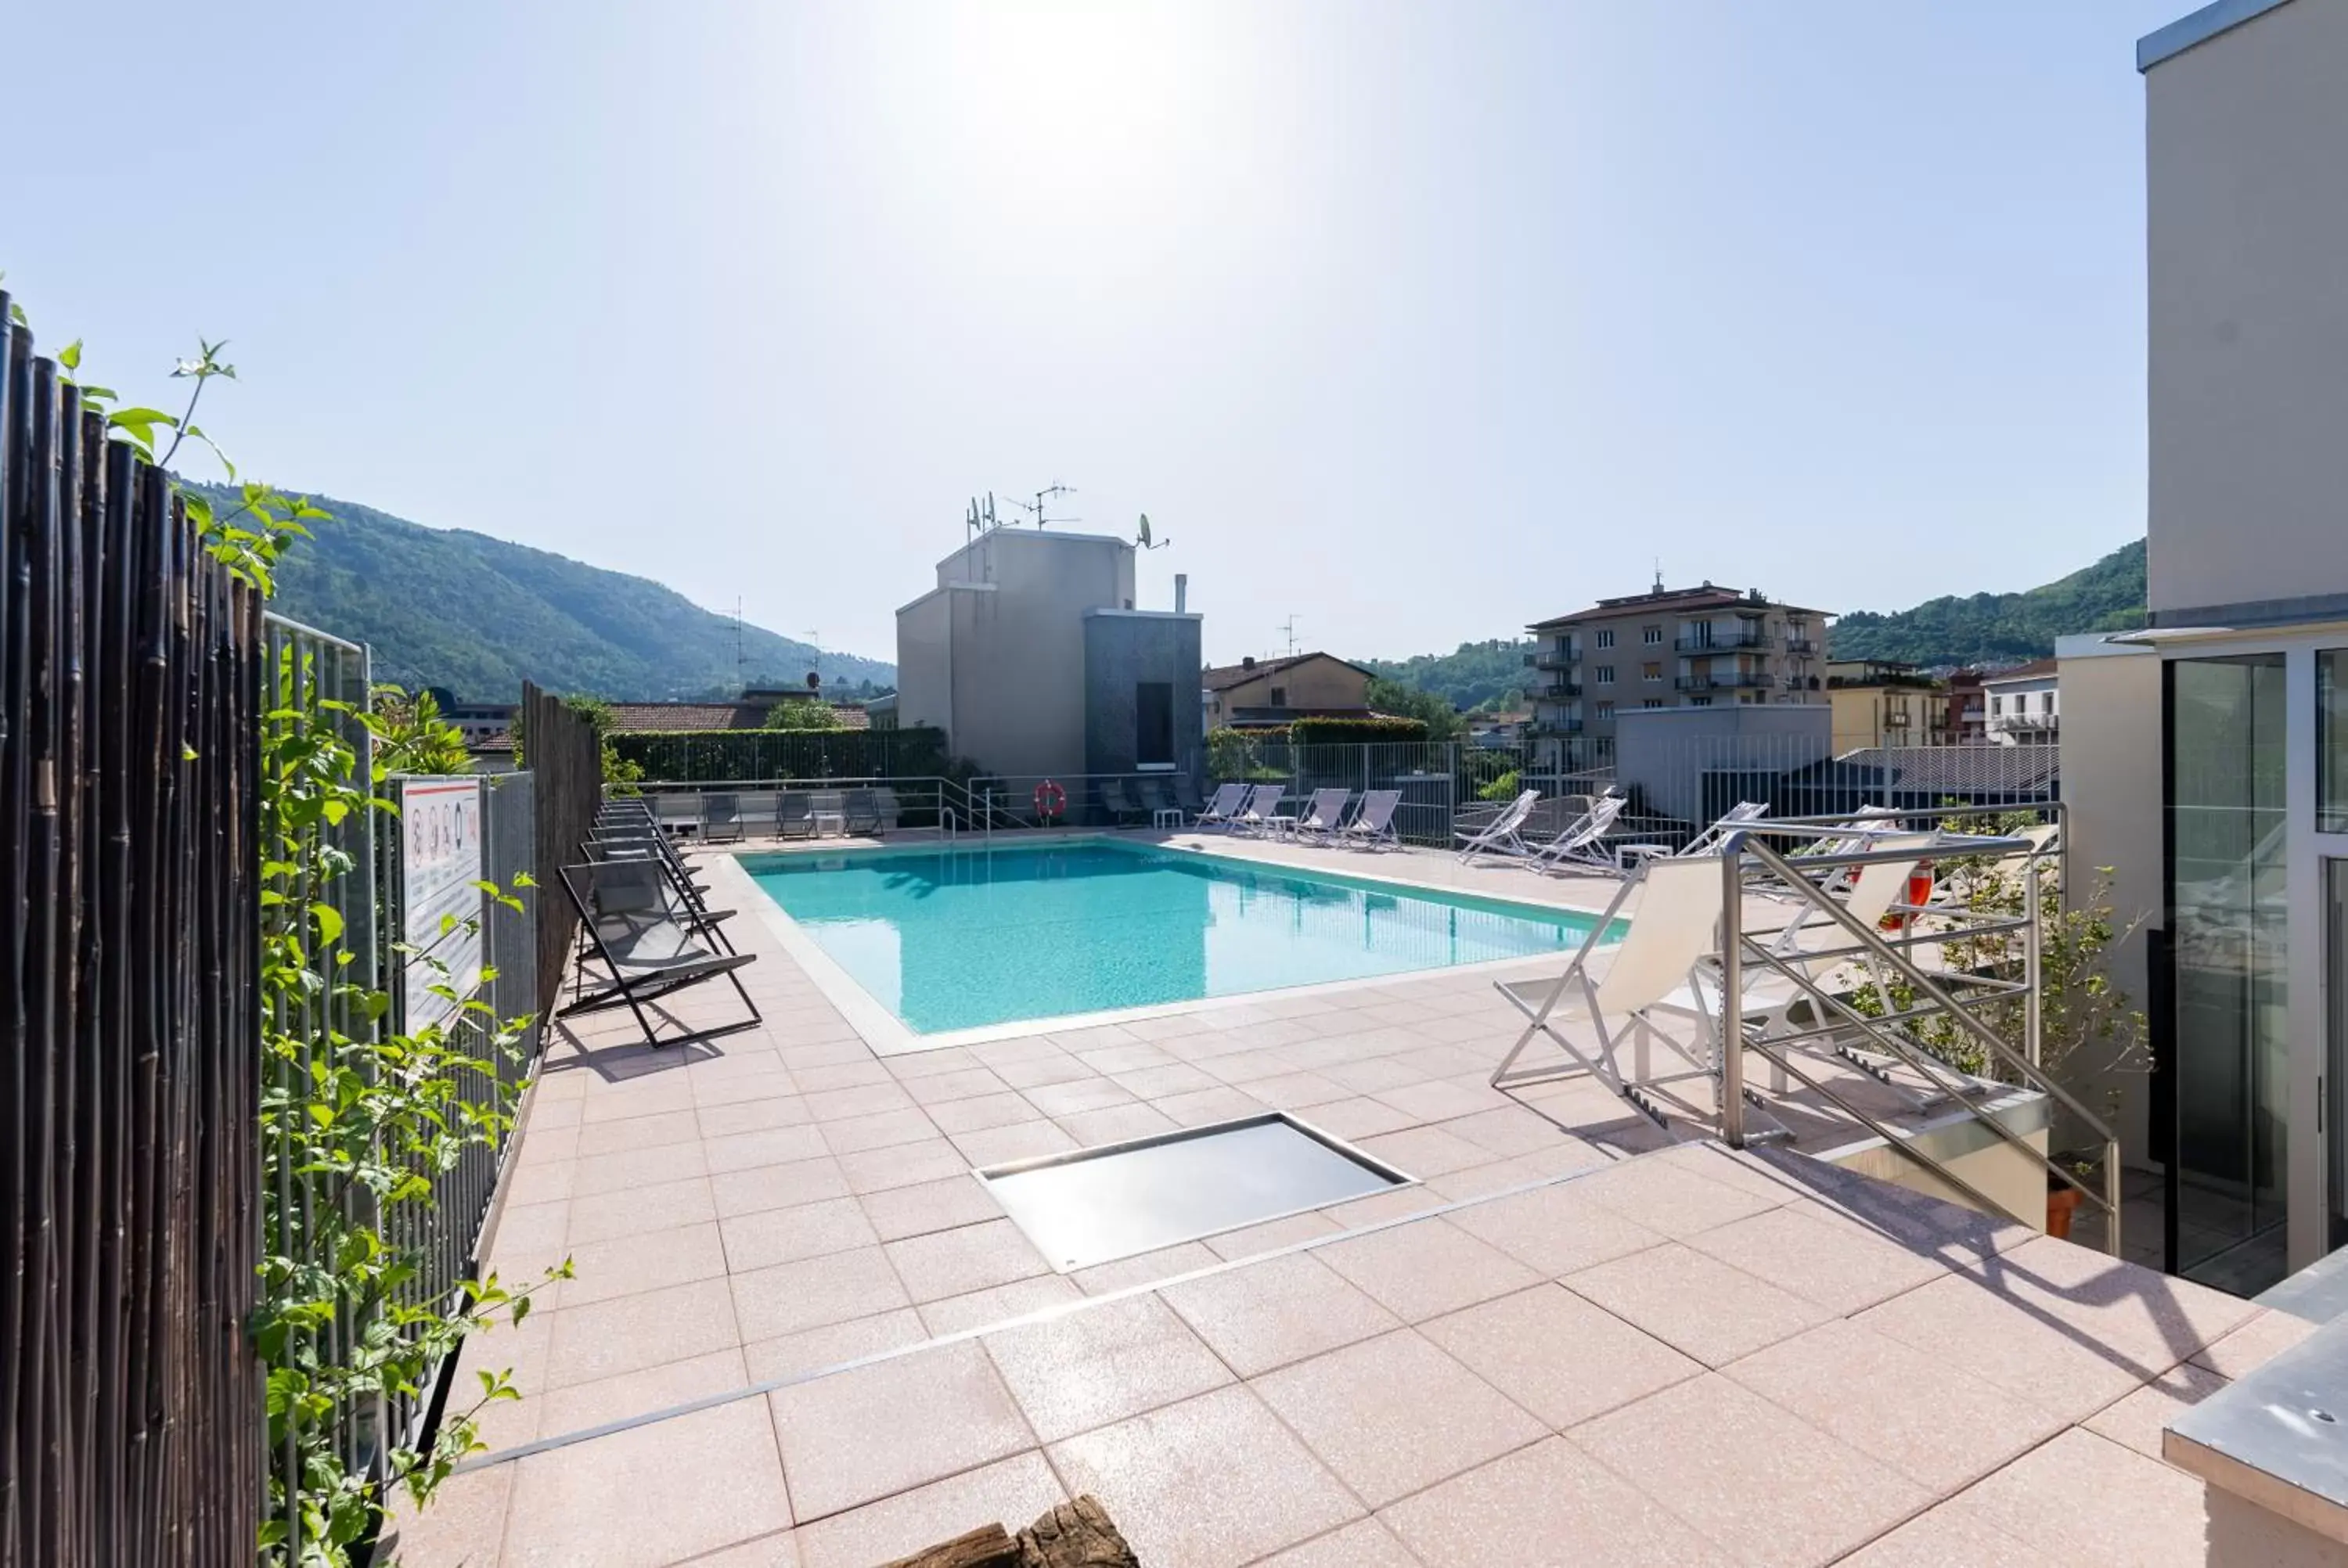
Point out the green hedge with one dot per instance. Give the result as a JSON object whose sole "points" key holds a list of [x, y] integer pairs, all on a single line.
{"points": [[1355, 732], [728, 756]]}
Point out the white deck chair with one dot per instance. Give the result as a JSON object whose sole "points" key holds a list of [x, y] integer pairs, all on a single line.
{"points": [[1708, 841], [1498, 837], [1262, 805], [1223, 807], [1675, 928], [1373, 826], [1578, 848], [1323, 813]]}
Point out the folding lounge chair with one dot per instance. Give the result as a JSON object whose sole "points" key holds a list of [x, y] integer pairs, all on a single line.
{"points": [[1500, 836], [645, 953], [721, 817], [1116, 803], [795, 815], [859, 813], [1224, 809], [1323, 814], [1152, 796], [676, 812], [757, 810], [1262, 809], [1373, 826], [644, 841], [1708, 841], [1186, 797], [1581, 847], [688, 898]]}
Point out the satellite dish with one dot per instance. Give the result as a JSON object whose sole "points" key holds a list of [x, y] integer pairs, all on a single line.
{"points": [[815, 681], [1143, 540]]}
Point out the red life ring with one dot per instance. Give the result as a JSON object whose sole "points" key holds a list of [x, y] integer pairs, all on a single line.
{"points": [[1051, 800]]}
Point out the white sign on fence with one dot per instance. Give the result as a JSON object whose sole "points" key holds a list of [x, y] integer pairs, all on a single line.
{"points": [[440, 823]]}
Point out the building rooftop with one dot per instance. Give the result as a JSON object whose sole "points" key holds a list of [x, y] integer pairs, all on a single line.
{"points": [[2198, 27], [1223, 677], [1676, 600], [2036, 670], [638, 718], [2021, 769]]}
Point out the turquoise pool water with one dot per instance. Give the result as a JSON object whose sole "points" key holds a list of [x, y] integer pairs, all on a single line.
{"points": [[960, 939]]}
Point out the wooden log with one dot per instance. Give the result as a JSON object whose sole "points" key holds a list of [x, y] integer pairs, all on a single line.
{"points": [[1076, 1534], [990, 1547]]}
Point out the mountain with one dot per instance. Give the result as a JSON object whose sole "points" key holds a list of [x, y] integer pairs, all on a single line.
{"points": [[2001, 628], [1476, 675], [443, 606]]}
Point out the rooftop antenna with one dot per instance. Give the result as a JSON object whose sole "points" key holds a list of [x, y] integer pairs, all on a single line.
{"points": [[1043, 498], [1659, 574], [815, 676], [1141, 540], [1288, 628], [739, 658], [981, 518]]}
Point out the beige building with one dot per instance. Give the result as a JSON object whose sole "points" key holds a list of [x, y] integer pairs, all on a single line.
{"points": [[1882, 703], [2206, 757], [1667, 648], [1272, 691], [2024, 704]]}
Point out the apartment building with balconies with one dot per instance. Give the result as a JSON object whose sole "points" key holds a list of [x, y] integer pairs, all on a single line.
{"points": [[1667, 648], [2025, 704]]}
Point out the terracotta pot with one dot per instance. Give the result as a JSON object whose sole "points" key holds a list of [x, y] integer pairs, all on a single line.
{"points": [[2060, 1202]]}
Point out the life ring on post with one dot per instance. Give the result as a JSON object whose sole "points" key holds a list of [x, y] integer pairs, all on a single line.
{"points": [[1051, 801]]}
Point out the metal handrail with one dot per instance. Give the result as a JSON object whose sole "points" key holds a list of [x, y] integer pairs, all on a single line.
{"points": [[1748, 840]]}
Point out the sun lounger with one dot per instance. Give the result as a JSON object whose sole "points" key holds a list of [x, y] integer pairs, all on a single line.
{"points": [[859, 814], [1583, 846], [1373, 826], [1499, 837], [646, 953], [1224, 809], [795, 815], [1323, 813], [1260, 814]]}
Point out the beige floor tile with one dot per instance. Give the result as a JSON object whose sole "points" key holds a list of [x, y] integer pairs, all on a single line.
{"points": [[1299, 1090], [1011, 1492], [649, 1261], [547, 1182], [833, 1345], [2258, 1340], [1145, 1268], [1668, 1200], [1358, 1118], [1509, 1130], [1371, 1075], [884, 1130], [1283, 1310], [1365, 1543], [1556, 1355], [1768, 1488], [768, 1146], [1424, 1152], [779, 1550], [1079, 1094], [1152, 1472], [661, 1206], [650, 1495], [1047, 1063], [1087, 1368], [463, 1527], [2048, 1363], [1158, 1083], [1206, 1107], [1272, 1236], [1001, 1304], [971, 1257], [2136, 1421], [733, 1118], [1549, 1504], [1820, 1254], [1921, 1414], [1006, 1108], [926, 1206], [2084, 1499], [627, 1333], [1555, 1229], [778, 1186], [841, 1075], [1021, 1141], [636, 1132], [1440, 1100], [1426, 1268], [901, 1165], [1395, 1414], [640, 1393], [964, 1083], [932, 1064], [859, 1436], [786, 1235], [1133, 1056], [1114, 1124], [1695, 1304], [867, 1100], [2159, 1318], [1945, 1537], [812, 1291]]}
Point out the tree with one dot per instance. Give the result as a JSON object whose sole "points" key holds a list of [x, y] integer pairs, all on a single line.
{"points": [[1442, 720], [803, 713], [411, 737]]}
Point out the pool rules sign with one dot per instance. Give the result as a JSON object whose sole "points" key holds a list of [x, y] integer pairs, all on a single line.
{"points": [[440, 867]]}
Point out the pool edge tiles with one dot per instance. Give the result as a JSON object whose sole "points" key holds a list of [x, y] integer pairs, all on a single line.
{"points": [[888, 1034]]}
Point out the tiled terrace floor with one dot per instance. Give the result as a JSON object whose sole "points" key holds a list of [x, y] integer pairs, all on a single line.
{"points": [[1574, 1343]]}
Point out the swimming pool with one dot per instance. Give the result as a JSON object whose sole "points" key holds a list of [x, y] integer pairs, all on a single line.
{"points": [[961, 939]]}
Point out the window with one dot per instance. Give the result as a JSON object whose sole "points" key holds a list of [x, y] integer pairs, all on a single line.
{"points": [[1650, 635], [1153, 723], [1606, 639], [1279, 696], [1996, 706], [1605, 710], [2045, 701], [1606, 674], [1652, 669], [1651, 702], [1699, 702], [2331, 740]]}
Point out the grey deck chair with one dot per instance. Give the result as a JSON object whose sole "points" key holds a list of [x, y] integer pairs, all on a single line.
{"points": [[686, 898], [795, 815], [645, 952], [859, 814], [721, 817]]}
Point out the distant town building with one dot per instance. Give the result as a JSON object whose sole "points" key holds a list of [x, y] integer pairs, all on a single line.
{"points": [[1030, 654], [2025, 704], [1265, 694], [1883, 702], [1965, 716], [1667, 648]]}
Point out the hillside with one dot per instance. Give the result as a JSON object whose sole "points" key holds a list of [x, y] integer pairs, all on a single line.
{"points": [[1477, 674], [443, 606], [2002, 627]]}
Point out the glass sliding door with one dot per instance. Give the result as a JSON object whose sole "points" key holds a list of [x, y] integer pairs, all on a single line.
{"points": [[2226, 831], [2335, 1044]]}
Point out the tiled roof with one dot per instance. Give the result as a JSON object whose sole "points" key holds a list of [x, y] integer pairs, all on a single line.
{"points": [[2014, 770], [1223, 678], [638, 718], [1676, 600], [2036, 670]]}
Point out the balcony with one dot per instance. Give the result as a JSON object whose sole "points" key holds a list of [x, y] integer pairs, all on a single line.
{"points": [[1734, 680], [2025, 721], [1801, 645], [1561, 691], [1720, 641], [1542, 728], [1548, 658]]}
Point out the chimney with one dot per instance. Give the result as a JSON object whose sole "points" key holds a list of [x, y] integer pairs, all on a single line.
{"points": [[1247, 660], [1181, 590]]}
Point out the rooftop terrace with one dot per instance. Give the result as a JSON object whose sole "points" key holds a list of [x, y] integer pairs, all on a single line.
{"points": [[802, 1333]]}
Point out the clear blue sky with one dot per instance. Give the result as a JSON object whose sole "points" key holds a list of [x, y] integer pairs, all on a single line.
{"points": [[1416, 322]]}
